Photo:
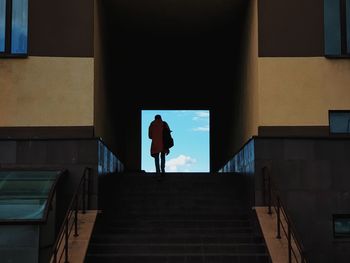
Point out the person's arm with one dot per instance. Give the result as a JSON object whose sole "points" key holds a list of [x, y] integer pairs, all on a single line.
{"points": [[166, 126], [150, 132]]}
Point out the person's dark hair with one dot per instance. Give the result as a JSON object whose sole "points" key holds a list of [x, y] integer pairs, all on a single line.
{"points": [[157, 117]]}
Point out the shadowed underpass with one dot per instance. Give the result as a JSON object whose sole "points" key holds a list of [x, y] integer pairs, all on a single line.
{"points": [[170, 55]]}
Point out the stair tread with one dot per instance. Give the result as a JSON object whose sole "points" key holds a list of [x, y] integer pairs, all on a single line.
{"points": [[176, 254], [195, 218]]}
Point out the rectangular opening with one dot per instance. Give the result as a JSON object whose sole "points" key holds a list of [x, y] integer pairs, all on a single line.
{"points": [[341, 225], [191, 133], [339, 121]]}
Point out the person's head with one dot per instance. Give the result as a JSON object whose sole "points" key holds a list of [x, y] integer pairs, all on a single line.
{"points": [[158, 117]]}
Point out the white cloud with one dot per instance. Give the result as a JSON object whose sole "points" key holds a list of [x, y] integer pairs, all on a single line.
{"points": [[181, 113], [201, 129], [201, 115], [179, 162]]}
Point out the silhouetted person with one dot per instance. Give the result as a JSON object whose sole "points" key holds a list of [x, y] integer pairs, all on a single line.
{"points": [[155, 133]]}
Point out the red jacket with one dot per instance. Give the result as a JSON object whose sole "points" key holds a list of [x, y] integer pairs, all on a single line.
{"points": [[155, 132]]}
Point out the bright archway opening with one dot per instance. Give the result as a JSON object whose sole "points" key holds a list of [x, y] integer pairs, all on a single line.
{"points": [[191, 133]]}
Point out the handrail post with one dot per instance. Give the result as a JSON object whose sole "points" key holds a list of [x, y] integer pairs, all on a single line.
{"points": [[88, 187], [264, 185], [289, 243], [84, 186], [271, 196], [62, 241], [278, 218], [66, 242], [76, 216], [269, 193]]}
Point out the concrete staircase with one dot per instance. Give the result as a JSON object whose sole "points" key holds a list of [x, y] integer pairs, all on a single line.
{"points": [[182, 218]]}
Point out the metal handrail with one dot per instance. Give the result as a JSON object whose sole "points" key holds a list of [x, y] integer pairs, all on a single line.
{"points": [[289, 231], [72, 211]]}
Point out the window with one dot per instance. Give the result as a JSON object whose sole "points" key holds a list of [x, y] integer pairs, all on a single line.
{"points": [[341, 226], [13, 27], [337, 28], [347, 12], [339, 122], [2, 24]]}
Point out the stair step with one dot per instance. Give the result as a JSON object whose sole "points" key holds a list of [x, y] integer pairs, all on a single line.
{"points": [[166, 230], [176, 258], [183, 218], [176, 223], [119, 215], [155, 211], [193, 249], [242, 238]]}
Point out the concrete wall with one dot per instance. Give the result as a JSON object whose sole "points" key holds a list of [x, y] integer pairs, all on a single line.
{"points": [[54, 85], [297, 84], [291, 28], [61, 28], [46, 91], [103, 120], [19, 243], [245, 106], [300, 91], [312, 176]]}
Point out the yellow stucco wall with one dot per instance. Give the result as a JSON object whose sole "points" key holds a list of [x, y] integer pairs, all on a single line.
{"points": [[46, 91], [300, 91], [251, 94], [245, 104]]}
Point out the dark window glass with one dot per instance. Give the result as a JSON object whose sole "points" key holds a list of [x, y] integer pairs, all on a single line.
{"points": [[13, 28], [2, 24], [337, 28], [339, 121], [332, 27], [348, 25], [19, 26], [341, 226]]}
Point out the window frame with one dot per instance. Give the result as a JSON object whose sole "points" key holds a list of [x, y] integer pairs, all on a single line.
{"points": [[343, 29], [8, 33]]}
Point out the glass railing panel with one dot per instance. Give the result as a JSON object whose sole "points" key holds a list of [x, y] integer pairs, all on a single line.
{"points": [[27, 188], [28, 175], [24, 194], [23, 209]]}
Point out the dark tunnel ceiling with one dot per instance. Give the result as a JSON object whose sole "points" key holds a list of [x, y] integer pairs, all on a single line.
{"points": [[174, 15], [184, 45]]}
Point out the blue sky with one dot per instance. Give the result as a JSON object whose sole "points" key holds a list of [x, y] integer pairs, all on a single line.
{"points": [[190, 130]]}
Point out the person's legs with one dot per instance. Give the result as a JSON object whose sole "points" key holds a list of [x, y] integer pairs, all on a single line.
{"points": [[156, 161], [162, 161]]}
